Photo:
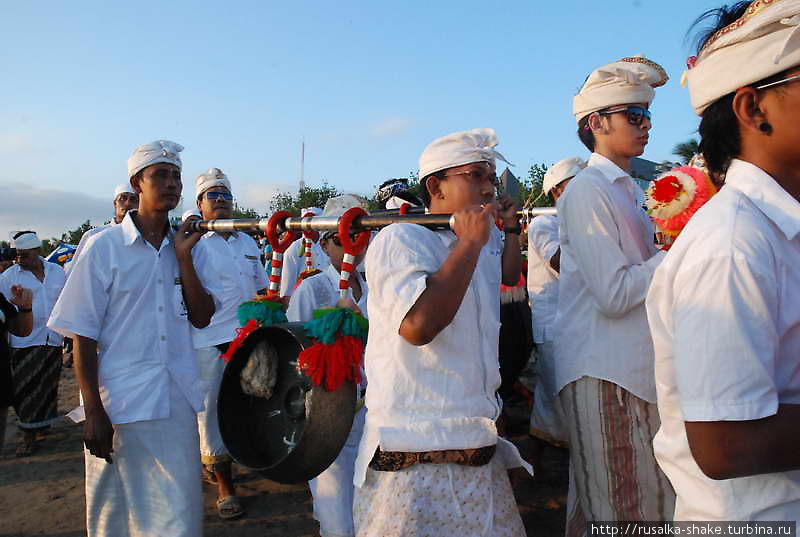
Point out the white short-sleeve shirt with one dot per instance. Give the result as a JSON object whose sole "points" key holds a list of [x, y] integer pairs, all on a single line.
{"points": [[442, 395], [294, 264], [542, 279], [321, 291], [45, 294], [608, 258], [127, 295], [231, 272], [724, 311]]}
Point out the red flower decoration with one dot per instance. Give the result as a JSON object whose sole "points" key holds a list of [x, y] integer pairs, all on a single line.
{"points": [[691, 61], [667, 189]]}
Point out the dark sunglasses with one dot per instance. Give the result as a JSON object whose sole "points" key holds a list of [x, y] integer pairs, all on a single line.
{"points": [[211, 196], [636, 114]]}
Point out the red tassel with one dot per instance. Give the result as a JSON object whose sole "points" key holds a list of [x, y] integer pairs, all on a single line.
{"points": [[241, 335], [331, 365]]}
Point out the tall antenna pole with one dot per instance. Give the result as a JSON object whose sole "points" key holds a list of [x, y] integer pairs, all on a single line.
{"points": [[302, 164]]}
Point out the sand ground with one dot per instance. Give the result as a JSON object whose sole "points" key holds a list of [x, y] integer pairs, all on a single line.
{"points": [[43, 494]]}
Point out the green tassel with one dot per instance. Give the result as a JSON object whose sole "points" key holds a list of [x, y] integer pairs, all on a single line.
{"points": [[265, 312], [328, 322]]}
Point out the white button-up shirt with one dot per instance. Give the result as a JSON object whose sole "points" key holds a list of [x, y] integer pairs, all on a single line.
{"points": [[231, 272], [294, 264], [126, 295], [725, 318], [45, 294], [321, 291], [441, 395], [607, 261], [86, 236], [542, 279]]}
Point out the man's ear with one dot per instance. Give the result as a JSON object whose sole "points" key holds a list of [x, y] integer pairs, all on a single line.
{"points": [[597, 125], [748, 109], [433, 184], [136, 183]]}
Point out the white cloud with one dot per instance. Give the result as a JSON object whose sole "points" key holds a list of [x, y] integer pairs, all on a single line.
{"points": [[391, 127], [258, 196], [16, 143], [49, 212]]}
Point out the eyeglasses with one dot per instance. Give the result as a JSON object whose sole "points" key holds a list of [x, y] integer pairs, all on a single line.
{"points": [[779, 82], [478, 177], [225, 196], [636, 114]]}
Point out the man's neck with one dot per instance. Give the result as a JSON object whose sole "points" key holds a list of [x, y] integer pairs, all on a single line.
{"points": [[37, 270], [788, 177], [623, 162], [152, 225]]}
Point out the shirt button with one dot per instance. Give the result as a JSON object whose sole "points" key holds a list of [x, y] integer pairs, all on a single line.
{"points": [[160, 280], [161, 308], [163, 338]]}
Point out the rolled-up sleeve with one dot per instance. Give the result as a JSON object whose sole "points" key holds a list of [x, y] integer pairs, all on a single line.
{"points": [[398, 263], [616, 284]]}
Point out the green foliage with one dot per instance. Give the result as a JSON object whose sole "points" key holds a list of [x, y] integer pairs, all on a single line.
{"points": [[243, 212], [308, 196], [530, 192], [686, 150], [73, 236]]}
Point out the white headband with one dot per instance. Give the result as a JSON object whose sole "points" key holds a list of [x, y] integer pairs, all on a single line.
{"points": [[123, 188], [561, 171], [629, 80], [213, 177], [153, 153], [764, 41], [26, 241], [458, 149]]}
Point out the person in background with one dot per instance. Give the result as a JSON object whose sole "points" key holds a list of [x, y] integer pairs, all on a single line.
{"points": [[294, 262], [16, 317]]}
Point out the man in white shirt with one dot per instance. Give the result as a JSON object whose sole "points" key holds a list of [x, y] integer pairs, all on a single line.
{"points": [[604, 355], [544, 254], [125, 199], [723, 307], [229, 266], [332, 490], [35, 360], [294, 260], [430, 461], [132, 294]]}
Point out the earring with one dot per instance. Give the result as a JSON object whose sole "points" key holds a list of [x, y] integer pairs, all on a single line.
{"points": [[765, 128]]}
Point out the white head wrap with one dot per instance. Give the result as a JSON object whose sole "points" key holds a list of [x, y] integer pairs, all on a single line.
{"points": [[26, 241], [213, 177], [189, 213], [122, 189], [561, 171], [761, 43], [396, 202], [459, 148], [315, 210], [629, 80], [340, 204], [153, 153]]}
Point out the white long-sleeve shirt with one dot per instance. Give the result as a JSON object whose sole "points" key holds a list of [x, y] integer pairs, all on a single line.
{"points": [[542, 279], [607, 261], [294, 264], [724, 309], [321, 291], [45, 294]]}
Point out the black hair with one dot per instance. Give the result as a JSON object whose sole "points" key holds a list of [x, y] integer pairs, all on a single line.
{"points": [[720, 139], [18, 234], [585, 133]]}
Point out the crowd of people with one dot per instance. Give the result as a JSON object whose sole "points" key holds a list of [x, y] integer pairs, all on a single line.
{"points": [[673, 378]]}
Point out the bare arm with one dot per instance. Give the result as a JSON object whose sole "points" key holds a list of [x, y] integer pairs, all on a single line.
{"points": [[199, 304], [512, 253], [438, 304], [555, 261], [728, 449], [98, 433]]}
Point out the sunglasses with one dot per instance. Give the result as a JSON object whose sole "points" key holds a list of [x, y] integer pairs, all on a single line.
{"points": [[636, 114], [212, 196]]}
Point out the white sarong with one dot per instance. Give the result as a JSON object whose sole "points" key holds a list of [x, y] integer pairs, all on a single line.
{"points": [[333, 489], [211, 367], [153, 487], [438, 500]]}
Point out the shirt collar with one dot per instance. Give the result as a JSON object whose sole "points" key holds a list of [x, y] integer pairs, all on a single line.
{"points": [[130, 232], [611, 171], [766, 194]]}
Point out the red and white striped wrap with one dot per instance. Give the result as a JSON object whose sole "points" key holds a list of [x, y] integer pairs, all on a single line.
{"points": [[308, 243], [275, 275], [347, 270]]}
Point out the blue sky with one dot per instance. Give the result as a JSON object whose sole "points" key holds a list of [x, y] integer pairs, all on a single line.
{"points": [[366, 84]]}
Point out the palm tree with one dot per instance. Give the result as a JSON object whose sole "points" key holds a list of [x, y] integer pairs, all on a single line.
{"points": [[686, 150]]}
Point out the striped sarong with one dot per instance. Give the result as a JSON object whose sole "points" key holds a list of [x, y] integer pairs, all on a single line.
{"points": [[613, 472], [35, 372]]}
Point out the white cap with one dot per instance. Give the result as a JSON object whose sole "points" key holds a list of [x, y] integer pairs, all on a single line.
{"points": [[26, 240], [458, 149], [316, 211], [340, 204], [627, 81], [213, 177], [123, 188], [561, 171], [148, 154]]}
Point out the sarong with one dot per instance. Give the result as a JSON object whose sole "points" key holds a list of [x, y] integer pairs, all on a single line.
{"points": [[35, 372], [212, 449], [153, 487], [546, 420], [333, 489], [614, 473], [438, 500]]}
